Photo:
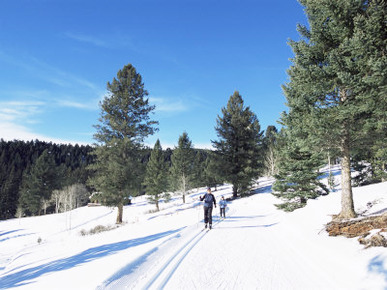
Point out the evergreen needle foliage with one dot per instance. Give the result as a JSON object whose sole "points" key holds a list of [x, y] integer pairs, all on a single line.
{"points": [[240, 145], [39, 183], [182, 169], [297, 178], [156, 178], [125, 123]]}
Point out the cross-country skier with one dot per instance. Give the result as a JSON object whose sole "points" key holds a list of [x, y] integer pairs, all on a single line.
{"points": [[209, 200], [222, 206]]}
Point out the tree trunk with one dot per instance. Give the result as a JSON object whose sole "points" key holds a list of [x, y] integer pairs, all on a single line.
{"points": [[120, 209], [329, 163], [347, 207], [184, 181], [234, 191]]}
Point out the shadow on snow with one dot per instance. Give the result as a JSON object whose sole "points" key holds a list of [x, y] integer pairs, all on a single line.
{"points": [[3, 233], [264, 189], [376, 265], [22, 277], [12, 237], [243, 227]]}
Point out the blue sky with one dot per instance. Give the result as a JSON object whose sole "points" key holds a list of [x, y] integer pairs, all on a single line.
{"points": [[56, 57]]}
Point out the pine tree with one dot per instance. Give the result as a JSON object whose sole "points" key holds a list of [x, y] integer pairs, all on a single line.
{"points": [[240, 144], [338, 81], [125, 123], [156, 179], [182, 165]]}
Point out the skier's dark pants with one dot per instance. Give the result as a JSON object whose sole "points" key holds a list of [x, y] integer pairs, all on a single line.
{"points": [[222, 212], [208, 215]]}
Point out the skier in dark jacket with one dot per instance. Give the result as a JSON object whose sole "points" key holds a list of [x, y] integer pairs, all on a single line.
{"points": [[209, 200]]}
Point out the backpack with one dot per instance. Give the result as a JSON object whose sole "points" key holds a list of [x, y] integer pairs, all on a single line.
{"points": [[208, 199]]}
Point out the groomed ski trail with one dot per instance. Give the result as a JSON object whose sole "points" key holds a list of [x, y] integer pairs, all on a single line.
{"points": [[161, 262]]}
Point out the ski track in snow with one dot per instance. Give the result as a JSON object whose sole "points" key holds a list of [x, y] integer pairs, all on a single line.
{"points": [[163, 271]]}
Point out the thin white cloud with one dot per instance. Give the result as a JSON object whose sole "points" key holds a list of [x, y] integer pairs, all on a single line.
{"points": [[19, 111], [76, 105], [65, 84], [15, 117], [168, 105], [47, 72], [117, 40], [59, 77], [87, 39]]}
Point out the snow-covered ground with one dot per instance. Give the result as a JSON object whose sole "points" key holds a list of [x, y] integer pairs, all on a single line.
{"points": [[255, 247]]}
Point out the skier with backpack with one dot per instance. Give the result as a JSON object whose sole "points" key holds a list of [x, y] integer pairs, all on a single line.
{"points": [[209, 201]]}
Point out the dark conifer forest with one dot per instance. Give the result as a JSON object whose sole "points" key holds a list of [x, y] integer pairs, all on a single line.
{"points": [[18, 157]]}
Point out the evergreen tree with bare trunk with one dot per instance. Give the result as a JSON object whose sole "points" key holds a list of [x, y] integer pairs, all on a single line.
{"points": [[338, 81], [239, 147], [156, 179], [124, 124], [182, 168]]}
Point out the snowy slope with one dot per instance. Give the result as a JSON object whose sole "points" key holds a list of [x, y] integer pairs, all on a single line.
{"points": [[255, 247]]}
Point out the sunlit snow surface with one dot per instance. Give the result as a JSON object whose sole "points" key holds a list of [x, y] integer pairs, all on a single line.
{"points": [[255, 247]]}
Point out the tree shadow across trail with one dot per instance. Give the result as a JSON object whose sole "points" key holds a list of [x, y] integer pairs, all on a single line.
{"points": [[24, 277], [376, 265], [237, 218], [3, 235], [264, 189], [251, 226], [234, 219]]}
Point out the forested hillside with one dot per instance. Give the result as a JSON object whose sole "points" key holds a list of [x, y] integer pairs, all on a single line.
{"points": [[18, 157], [37, 177]]}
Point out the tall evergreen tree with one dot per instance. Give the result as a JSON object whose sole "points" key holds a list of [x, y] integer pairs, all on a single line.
{"points": [[338, 81], [239, 145], [182, 165], [125, 123], [156, 179]]}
